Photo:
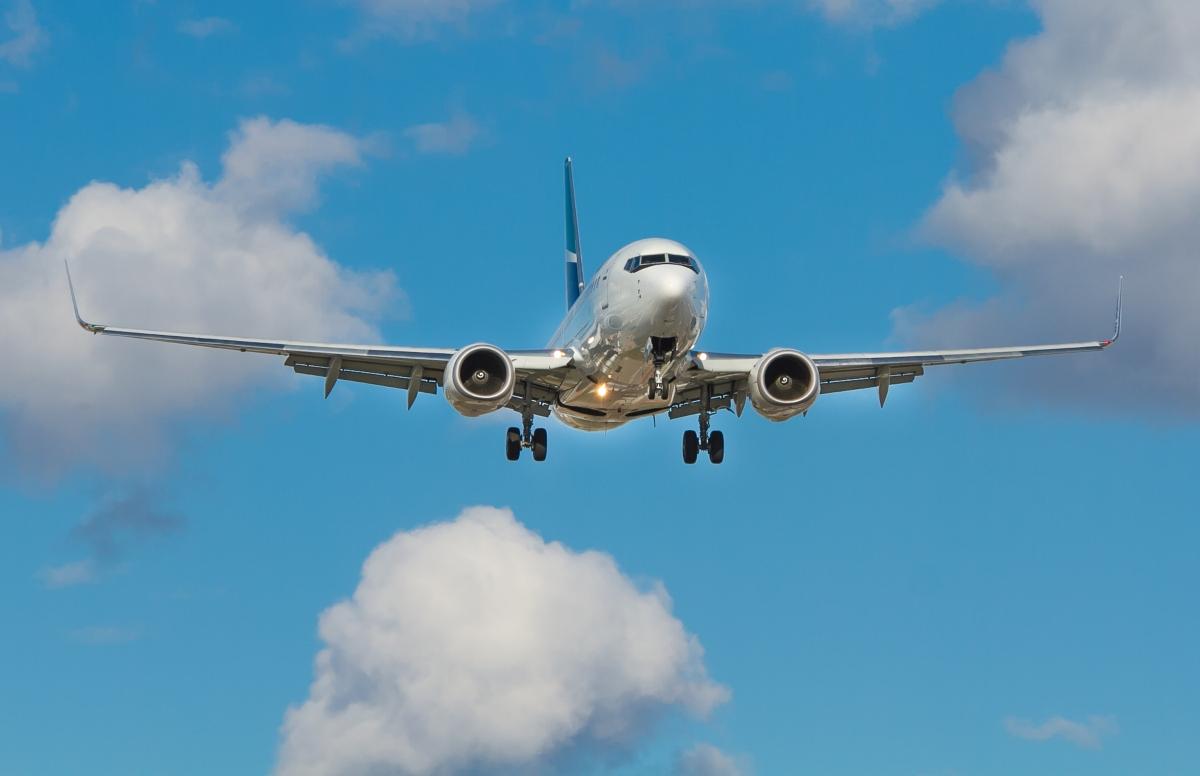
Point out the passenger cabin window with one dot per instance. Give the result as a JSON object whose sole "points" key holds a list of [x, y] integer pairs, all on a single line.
{"points": [[641, 262]]}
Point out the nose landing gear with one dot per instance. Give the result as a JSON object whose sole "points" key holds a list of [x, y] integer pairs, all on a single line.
{"points": [[661, 348]]}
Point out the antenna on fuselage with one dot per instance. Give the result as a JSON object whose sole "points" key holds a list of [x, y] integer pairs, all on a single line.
{"points": [[574, 255]]}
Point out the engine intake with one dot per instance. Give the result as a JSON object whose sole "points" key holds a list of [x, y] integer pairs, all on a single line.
{"points": [[479, 379], [784, 383]]}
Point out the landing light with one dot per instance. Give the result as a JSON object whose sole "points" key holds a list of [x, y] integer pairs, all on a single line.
{"points": [[602, 390], [558, 354], [703, 356]]}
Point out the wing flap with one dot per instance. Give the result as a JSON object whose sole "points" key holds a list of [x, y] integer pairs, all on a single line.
{"points": [[856, 383]]}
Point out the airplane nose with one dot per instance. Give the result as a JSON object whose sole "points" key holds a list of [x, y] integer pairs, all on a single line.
{"points": [[674, 285]]}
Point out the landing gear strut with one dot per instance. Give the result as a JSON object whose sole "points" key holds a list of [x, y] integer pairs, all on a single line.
{"points": [[527, 436], [661, 348], [713, 442]]}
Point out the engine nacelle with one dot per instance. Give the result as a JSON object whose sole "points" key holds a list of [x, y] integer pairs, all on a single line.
{"points": [[784, 383], [479, 379]]}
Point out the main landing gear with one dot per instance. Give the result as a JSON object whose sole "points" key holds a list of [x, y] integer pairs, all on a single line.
{"points": [[528, 436], [713, 442]]}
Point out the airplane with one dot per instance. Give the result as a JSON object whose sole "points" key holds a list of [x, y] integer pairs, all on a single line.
{"points": [[626, 349]]}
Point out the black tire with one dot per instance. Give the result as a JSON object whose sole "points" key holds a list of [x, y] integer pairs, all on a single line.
{"points": [[691, 446], [512, 443], [716, 447], [539, 444]]}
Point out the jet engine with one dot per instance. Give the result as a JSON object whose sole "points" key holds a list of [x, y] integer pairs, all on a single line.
{"points": [[479, 379], [783, 383]]}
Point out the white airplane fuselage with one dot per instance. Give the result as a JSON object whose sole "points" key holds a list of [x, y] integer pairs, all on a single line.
{"points": [[630, 329]]}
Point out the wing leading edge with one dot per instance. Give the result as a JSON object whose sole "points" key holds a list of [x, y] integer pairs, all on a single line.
{"points": [[416, 370], [851, 371]]}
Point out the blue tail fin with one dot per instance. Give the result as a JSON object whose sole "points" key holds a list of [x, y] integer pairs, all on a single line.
{"points": [[574, 256]]}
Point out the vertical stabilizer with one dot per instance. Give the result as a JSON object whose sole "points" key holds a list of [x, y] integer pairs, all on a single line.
{"points": [[574, 267]]}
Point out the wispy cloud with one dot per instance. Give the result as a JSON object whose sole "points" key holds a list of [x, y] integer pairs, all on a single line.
{"points": [[129, 519], [105, 635], [107, 533], [1086, 734], [206, 27], [871, 13], [417, 19], [262, 85], [708, 760], [27, 35], [455, 136], [79, 572]]}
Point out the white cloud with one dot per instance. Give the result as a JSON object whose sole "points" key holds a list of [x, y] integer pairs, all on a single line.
{"points": [[108, 532], [1086, 734], [27, 36], [1086, 165], [871, 12], [105, 635], [416, 19], [179, 254], [206, 27], [273, 167], [80, 572], [455, 136], [708, 760], [475, 645]]}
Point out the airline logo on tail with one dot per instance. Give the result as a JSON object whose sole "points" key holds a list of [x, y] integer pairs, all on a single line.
{"points": [[574, 268]]}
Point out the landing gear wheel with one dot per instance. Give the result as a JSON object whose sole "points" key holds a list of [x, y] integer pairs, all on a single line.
{"points": [[691, 446], [512, 443], [539, 444], [716, 447]]}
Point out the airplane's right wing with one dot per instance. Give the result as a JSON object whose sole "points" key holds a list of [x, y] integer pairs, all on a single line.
{"points": [[412, 369]]}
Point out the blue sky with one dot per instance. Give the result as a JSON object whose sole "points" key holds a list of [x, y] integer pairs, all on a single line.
{"points": [[994, 575]]}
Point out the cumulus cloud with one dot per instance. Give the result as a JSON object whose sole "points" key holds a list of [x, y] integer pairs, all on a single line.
{"points": [[273, 167], [206, 27], [108, 532], [476, 646], [25, 35], [708, 760], [455, 136], [1084, 149], [1085, 734], [180, 254]]}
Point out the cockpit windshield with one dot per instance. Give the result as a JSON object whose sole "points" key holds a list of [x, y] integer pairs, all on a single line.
{"points": [[649, 260]]}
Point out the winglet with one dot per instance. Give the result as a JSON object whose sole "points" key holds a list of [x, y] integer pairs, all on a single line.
{"points": [[1116, 323], [93, 328]]}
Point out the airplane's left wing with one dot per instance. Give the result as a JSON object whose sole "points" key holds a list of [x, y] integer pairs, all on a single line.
{"points": [[721, 378], [415, 370]]}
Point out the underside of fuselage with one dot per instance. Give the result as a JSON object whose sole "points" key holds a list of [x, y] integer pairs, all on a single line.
{"points": [[631, 333]]}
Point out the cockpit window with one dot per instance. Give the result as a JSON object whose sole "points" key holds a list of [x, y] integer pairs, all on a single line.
{"points": [[641, 262]]}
